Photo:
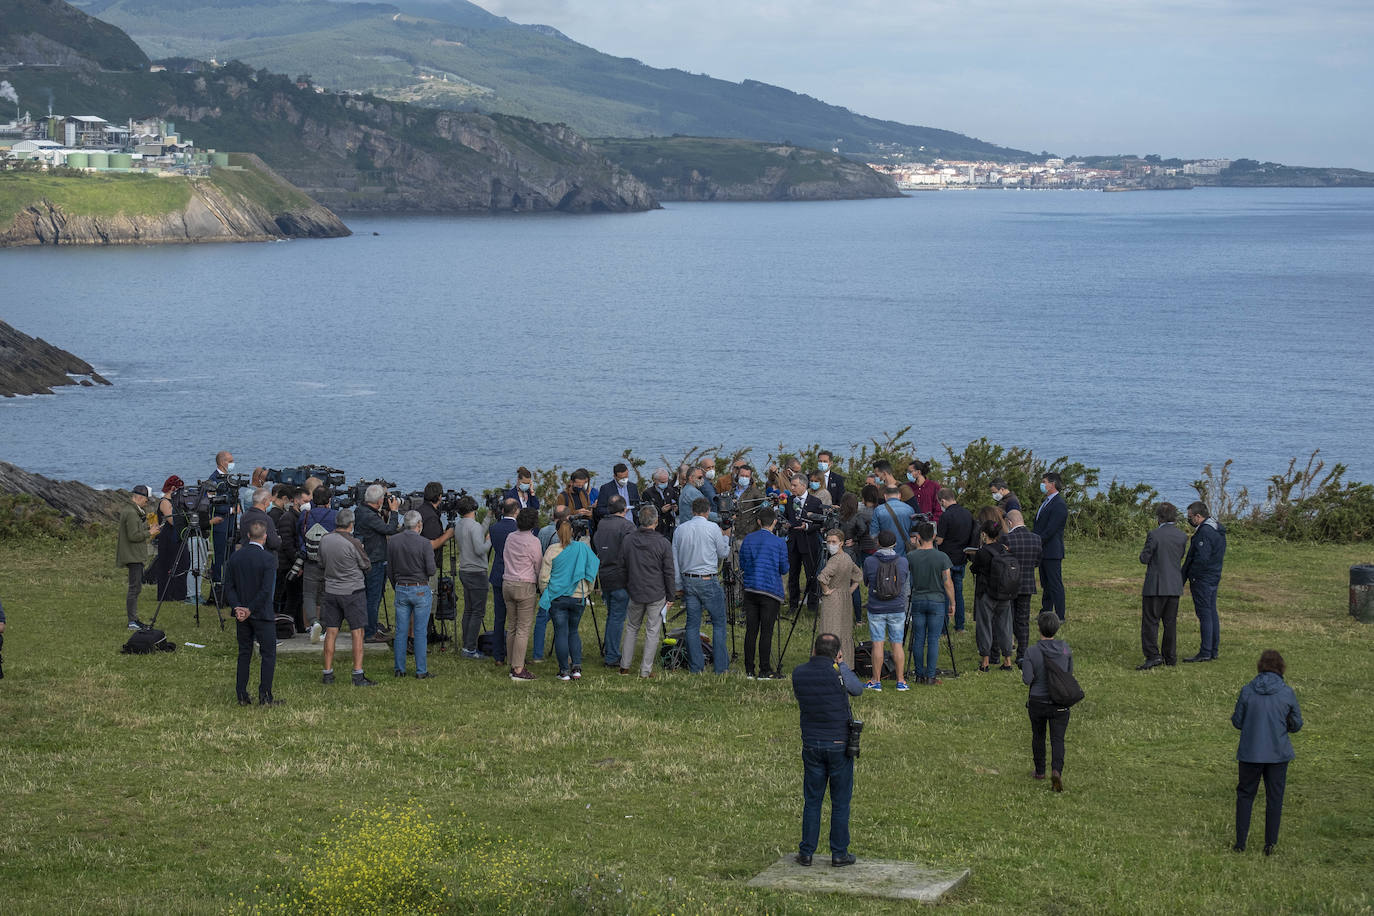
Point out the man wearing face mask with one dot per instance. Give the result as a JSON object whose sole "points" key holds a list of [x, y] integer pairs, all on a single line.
{"points": [[748, 500], [803, 545], [664, 497], [707, 485], [621, 486], [222, 520], [694, 489], [1005, 499], [523, 491], [1050, 520], [575, 497], [831, 481]]}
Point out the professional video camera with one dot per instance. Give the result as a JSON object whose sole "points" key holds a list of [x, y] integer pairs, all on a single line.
{"points": [[492, 499], [726, 508], [357, 494], [225, 492], [448, 501], [827, 518], [296, 477], [581, 526]]}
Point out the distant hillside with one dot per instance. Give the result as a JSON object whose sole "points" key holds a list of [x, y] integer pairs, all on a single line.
{"points": [[698, 168], [453, 54], [52, 33]]}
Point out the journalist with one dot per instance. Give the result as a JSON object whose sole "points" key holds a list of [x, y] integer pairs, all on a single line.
{"points": [[410, 566], [473, 546], [344, 563], [222, 517], [257, 512], [953, 533], [609, 542], [576, 495], [549, 533], [316, 522], [498, 534], [663, 495], [762, 564], [649, 579], [249, 581], [131, 551], [375, 524], [286, 515], [823, 686], [698, 547]]}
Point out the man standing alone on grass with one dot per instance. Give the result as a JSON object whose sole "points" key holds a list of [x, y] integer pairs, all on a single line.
{"points": [[1163, 584], [823, 686], [131, 552], [345, 596], [1050, 520], [250, 579], [1202, 570]]}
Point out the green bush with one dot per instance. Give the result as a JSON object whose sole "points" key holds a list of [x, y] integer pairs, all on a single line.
{"points": [[24, 518]]}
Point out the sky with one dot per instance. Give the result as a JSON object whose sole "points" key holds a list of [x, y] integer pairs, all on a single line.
{"points": [[1264, 79]]}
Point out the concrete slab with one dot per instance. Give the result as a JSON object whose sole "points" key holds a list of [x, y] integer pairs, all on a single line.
{"points": [[866, 877], [301, 645]]}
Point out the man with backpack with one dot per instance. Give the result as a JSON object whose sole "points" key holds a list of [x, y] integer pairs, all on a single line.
{"points": [[314, 525], [888, 577], [997, 582], [1025, 548]]}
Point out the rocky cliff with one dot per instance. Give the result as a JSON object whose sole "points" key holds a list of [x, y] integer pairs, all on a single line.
{"points": [[249, 205], [31, 365], [83, 503]]}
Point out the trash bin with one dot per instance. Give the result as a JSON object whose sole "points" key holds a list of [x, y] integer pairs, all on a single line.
{"points": [[1362, 593]]}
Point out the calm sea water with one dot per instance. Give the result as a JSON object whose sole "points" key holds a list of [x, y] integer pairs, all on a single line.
{"points": [[1146, 334]]}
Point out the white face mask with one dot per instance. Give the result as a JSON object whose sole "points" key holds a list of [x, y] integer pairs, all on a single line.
{"points": [[229, 466], [832, 547], [996, 497], [742, 482], [710, 473], [621, 481]]}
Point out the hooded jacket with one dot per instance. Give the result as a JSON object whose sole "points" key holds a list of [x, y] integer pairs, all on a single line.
{"points": [[1205, 554], [1266, 711], [1033, 666]]}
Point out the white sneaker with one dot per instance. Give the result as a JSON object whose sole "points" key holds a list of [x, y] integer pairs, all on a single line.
{"points": [[315, 632]]}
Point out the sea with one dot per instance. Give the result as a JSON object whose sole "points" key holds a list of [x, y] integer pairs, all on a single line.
{"points": [[1145, 334]]}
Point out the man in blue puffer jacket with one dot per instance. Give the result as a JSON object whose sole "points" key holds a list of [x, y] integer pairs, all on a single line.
{"points": [[1202, 572], [762, 564]]}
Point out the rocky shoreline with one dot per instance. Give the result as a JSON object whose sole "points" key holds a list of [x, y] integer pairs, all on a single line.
{"points": [[70, 497], [31, 365]]}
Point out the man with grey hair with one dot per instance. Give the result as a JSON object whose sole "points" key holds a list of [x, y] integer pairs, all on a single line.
{"points": [[549, 533], [650, 582], [375, 524], [345, 597], [409, 565], [663, 496], [695, 488], [257, 512]]}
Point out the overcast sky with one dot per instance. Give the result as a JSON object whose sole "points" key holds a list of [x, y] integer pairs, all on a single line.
{"points": [[1283, 81]]}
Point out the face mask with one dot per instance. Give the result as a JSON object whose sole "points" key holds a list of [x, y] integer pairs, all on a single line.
{"points": [[910, 478], [621, 481], [229, 466], [743, 483], [710, 473], [832, 547], [579, 486], [524, 488], [661, 486], [815, 484], [1043, 488], [824, 466], [996, 497]]}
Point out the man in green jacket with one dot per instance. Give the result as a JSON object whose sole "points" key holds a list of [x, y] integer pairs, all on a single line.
{"points": [[132, 552]]}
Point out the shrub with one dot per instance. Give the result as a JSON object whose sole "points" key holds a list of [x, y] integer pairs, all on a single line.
{"points": [[24, 517]]}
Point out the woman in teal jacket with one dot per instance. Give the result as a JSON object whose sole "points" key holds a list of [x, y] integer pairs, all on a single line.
{"points": [[1266, 712], [567, 575]]}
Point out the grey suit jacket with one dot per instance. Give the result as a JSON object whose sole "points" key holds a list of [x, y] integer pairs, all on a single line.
{"points": [[1163, 559]]}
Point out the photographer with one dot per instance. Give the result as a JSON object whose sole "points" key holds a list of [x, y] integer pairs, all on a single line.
{"points": [[663, 495], [896, 516], [222, 518], [762, 564], [286, 514], [823, 686], [953, 532], [608, 541], [803, 546], [473, 546], [375, 524], [549, 533], [431, 523], [523, 491], [257, 512], [131, 552], [316, 522]]}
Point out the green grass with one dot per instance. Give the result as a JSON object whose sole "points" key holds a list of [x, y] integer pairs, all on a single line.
{"points": [[255, 185], [134, 784], [93, 195]]}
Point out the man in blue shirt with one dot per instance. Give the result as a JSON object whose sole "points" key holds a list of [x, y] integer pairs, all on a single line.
{"points": [[698, 547], [762, 563], [823, 686], [896, 516]]}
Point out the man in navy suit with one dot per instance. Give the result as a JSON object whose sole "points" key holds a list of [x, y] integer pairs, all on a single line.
{"points": [[523, 491], [498, 533], [619, 486], [1049, 524], [803, 544], [831, 482], [250, 580]]}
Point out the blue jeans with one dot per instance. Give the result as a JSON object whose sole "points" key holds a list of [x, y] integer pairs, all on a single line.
{"points": [[412, 600], [374, 581], [498, 627], [956, 575], [541, 630], [824, 763], [617, 602], [707, 593], [927, 623], [1205, 606], [567, 641]]}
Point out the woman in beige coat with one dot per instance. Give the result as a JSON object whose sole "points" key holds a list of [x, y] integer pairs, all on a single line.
{"points": [[838, 580]]}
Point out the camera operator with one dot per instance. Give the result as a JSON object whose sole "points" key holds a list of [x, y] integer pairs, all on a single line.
{"points": [[315, 523], [823, 686], [375, 524], [432, 526], [762, 564], [257, 512], [954, 532], [286, 515], [803, 544], [258, 479], [523, 491], [575, 496], [609, 542], [473, 546], [131, 552], [345, 596], [748, 500], [664, 497], [894, 515], [221, 519]]}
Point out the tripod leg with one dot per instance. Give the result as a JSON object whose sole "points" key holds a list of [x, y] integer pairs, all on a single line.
{"points": [[949, 641], [600, 645], [782, 650]]}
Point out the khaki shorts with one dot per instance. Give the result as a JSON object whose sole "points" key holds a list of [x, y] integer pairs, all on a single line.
{"points": [[337, 608]]}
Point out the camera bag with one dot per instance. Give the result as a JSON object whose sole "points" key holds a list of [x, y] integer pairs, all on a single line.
{"points": [[147, 640], [286, 627]]}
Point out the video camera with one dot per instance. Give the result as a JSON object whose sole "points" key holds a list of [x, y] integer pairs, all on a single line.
{"points": [[296, 477], [581, 526], [357, 494], [492, 499], [827, 518], [225, 492]]}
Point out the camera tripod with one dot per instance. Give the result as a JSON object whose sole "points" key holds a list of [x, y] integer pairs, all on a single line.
{"points": [[189, 526]]}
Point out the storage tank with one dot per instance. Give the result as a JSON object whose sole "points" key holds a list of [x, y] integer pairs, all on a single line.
{"points": [[78, 160], [121, 161], [100, 160], [219, 158]]}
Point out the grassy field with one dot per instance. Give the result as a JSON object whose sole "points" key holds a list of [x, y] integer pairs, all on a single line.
{"points": [[134, 784], [93, 195]]}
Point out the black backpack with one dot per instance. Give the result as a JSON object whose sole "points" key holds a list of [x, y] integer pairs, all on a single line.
{"points": [[887, 583], [286, 627], [1063, 686], [1004, 575], [148, 640]]}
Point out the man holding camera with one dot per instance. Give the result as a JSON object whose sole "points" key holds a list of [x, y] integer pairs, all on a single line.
{"points": [[823, 686], [375, 525], [609, 542], [249, 582], [222, 518], [131, 552], [664, 496]]}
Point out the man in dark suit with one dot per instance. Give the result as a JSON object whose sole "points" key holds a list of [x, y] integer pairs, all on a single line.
{"points": [[1162, 556], [621, 486], [523, 491], [250, 579], [257, 512], [498, 533], [831, 481], [1050, 520], [1026, 548], [803, 543]]}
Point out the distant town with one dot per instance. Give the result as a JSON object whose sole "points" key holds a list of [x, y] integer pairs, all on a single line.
{"points": [[1051, 173]]}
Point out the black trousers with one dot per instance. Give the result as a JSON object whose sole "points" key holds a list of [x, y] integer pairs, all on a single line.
{"points": [[1275, 781], [289, 599], [474, 606], [265, 632], [131, 596], [803, 554], [1046, 715], [1153, 609], [1052, 587], [1020, 623], [760, 616]]}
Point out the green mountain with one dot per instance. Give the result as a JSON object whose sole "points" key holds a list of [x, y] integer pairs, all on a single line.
{"points": [[453, 54], [52, 33]]}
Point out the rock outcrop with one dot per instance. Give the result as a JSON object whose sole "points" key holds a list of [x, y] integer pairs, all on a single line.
{"points": [[31, 365], [71, 498], [217, 212]]}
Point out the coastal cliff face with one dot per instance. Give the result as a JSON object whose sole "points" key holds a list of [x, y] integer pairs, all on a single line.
{"points": [[31, 365], [70, 497], [250, 206]]}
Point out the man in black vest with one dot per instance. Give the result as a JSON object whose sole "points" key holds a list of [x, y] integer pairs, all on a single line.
{"points": [[250, 578], [823, 686]]}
